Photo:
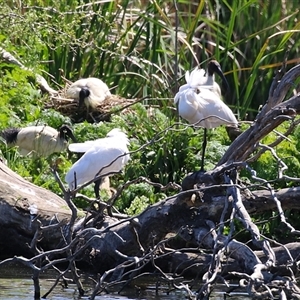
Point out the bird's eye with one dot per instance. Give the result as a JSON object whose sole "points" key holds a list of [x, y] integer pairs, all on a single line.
{"points": [[197, 91]]}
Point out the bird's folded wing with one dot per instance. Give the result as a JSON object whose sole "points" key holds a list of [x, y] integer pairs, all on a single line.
{"points": [[80, 147]]}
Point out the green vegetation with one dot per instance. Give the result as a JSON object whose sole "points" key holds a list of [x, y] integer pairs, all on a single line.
{"points": [[131, 46]]}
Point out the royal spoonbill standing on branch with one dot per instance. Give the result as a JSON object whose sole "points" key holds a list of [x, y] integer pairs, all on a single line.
{"points": [[105, 156], [199, 102], [39, 140], [90, 91]]}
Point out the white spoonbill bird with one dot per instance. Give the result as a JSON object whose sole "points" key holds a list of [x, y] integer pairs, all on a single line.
{"points": [[103, 156], [90, 91], [38, 140], [200, 104]]}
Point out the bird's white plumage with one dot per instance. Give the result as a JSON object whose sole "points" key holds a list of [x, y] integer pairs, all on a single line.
{"points": [[85, 146], [40, 141], [200, 77], [196, 77], [82, 147], [200, 104], [99, 157], [97, 88]]}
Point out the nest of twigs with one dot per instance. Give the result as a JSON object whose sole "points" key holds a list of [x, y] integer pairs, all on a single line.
{"points": [[103, 112]]}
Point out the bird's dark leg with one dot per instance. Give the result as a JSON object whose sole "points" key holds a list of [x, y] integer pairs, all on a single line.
{"points": [[91, 115], [97, 188], [88, 113], [203, 149]]}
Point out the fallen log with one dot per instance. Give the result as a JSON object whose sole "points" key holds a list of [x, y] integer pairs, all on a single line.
{"points": [[20, 203]]}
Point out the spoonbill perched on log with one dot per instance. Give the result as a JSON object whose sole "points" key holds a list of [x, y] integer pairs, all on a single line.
{"points": [[104, 156], [199, 102], [90, 91], [38, 140]]}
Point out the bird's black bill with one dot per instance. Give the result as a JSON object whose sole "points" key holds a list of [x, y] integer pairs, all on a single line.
{"points": [[66, 131], [84, 93], [214, 67], [225, 85]]}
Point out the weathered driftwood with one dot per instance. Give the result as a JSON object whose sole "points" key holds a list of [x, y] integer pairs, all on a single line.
{"points": [[18, 198], [20, 202], [274, 112], [143, 239]]}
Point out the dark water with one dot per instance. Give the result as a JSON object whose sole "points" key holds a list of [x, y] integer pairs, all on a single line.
{"points": [[16, 284]]}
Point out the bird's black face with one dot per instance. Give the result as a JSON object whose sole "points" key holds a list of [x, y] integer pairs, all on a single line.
{"points": [[65, 131], [84, 93], [214, 67]]}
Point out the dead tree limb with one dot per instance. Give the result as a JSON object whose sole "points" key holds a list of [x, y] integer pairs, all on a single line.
{"points": [[271, 116]]}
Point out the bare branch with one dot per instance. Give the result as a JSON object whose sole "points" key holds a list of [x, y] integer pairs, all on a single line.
{"points": [[40, 79], [271, 116]]}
